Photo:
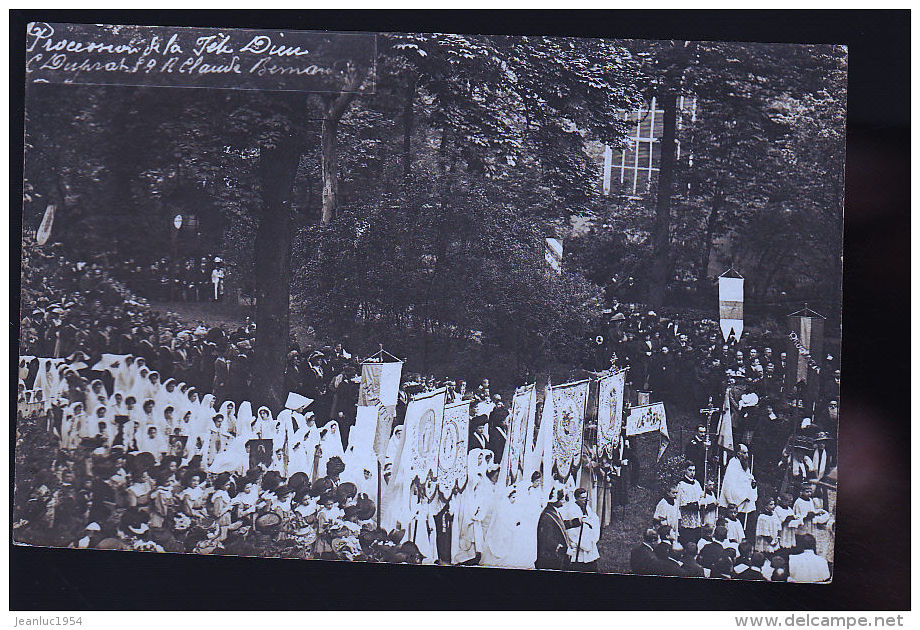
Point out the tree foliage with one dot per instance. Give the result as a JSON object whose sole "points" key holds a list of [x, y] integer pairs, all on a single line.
{"points": [[422, 207]]}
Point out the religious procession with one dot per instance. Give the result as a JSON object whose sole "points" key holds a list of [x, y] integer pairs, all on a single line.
{"points": [[399, 468], [462, 339]]}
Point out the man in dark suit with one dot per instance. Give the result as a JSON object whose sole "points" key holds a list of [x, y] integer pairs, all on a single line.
{"points": [[498, 428], [695, 451], [552, 541], [754, 571], [666, 565], [642, 557], [711, 553], [479, 437], [691, 568]]}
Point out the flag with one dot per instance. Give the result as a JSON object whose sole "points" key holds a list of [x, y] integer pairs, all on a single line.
{"points": [[379, 382], [44, 230], [379, 390], [424, 417], [553, 254], [570, 401], [726, 440], [610, 411], [455, 432], [806, 341], [731, 304], [520, 426]]}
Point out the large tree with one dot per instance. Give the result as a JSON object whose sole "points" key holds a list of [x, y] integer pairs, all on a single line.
{"points": [[489, 131], [748, 150]]}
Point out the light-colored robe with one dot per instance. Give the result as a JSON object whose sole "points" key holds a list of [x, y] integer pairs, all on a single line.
{"points": [[737, 488]]}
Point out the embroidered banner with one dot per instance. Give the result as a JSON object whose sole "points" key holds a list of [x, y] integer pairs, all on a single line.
{"points": [[379, 382], [610, 411], [647, 418], [521, 427], [455, 433], [424, 417], [731, 305], [569, 404]]}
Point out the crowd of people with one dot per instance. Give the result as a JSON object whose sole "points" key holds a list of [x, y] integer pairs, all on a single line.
{"points": [[134, 408], [148, 465], [185, 279], [704, 532], [759, 431], [154, 446]]}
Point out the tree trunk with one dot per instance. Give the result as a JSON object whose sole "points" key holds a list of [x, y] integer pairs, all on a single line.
{"points": [[277, 168], [407, 128], [330, 167], [706, 245], [661, 234], [334, 110]]}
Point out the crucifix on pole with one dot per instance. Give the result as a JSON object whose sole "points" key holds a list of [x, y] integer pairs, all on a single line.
{"points": [[708, 412]]}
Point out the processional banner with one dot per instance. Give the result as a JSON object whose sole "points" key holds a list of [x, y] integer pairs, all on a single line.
{"points": [[806, 341], [522, 420], [569, 404], [379, 382], [610, 411], [731, 305], [380, 389], [424, 417], [455, 433], [647, 418]]}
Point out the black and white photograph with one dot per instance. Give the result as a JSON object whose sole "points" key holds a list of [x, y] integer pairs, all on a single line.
{"points": [[523, 302]]}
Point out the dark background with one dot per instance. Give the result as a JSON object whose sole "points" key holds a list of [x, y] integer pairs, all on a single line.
{"points": [[872, 568]]}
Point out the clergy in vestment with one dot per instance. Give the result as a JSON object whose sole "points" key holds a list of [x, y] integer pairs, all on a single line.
{"points": [[738, 485], [583, 527], [709, 505], [787, 520], [768, 529], [806, 509], [552, 539], [667, 512], [689, 498]]}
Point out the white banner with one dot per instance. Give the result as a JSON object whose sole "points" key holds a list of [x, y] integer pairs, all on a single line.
{"points": [[424, 418], [379, 382], [731, 306], [647, 418]]}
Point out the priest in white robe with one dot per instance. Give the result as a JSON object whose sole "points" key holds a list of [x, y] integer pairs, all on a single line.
{"points": [[738, 484]]}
